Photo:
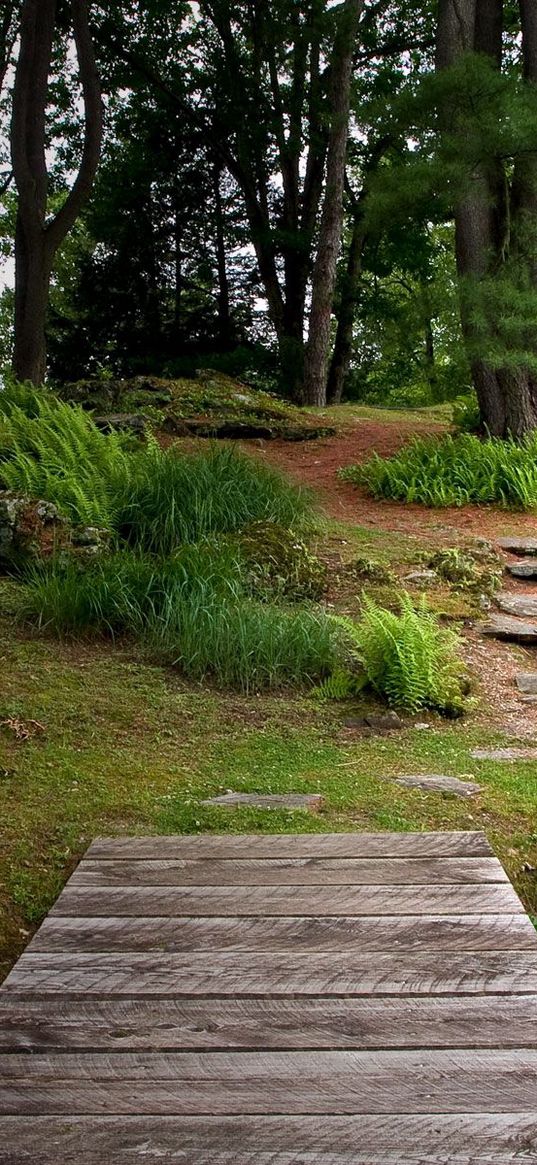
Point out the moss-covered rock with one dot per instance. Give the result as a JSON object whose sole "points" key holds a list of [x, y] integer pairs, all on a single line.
{"points": [[213, 405], [278, 562], [29, 529]]}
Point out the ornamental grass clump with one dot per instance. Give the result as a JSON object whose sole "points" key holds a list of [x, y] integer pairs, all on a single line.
{"points": [[454, 471], [190, 610], [175, 498]]}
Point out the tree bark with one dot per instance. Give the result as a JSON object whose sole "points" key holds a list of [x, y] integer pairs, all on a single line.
{"points": [[225, 327], [37, 240], [343, 344], [324, 272]]}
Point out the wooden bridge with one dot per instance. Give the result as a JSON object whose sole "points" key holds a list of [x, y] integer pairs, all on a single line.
{"points": [[353, 999]]}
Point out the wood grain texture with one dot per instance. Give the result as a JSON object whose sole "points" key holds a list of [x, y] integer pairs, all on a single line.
{"points": [[296, 1083], [316, 1000], [484, 1138], [435, 932], [291, 872], [138, 1024], [208, 901], [277, 973], [271, 846]]}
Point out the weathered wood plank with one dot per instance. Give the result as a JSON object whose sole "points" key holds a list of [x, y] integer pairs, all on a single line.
{"points": [[57, 1023], [482, 1139], [471, 932], [207, 901], [343, 845], [289, 871], [296, 1083], [277, 973]]}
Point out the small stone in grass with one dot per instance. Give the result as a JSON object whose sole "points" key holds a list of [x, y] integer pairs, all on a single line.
{"points": [[436, 783], [290, 801], [504, 754]]}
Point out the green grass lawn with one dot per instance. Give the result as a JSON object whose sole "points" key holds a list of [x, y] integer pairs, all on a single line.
{"points": [[128, 747]]}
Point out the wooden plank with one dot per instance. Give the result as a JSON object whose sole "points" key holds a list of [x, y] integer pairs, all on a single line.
{"points": [[343, 845], [481, 1139], [469, 932], [277, 973], [207, 901], [298, 871], [58, 1023], [296, 1083]]}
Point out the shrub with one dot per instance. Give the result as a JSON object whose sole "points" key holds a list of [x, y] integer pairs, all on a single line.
{"points": [[408, 657], [190, 610], [172, 499], [55, 452], [454, 471], [465, 412]]}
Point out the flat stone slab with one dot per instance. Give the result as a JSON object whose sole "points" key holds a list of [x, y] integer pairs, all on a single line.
{"points": [[504, 754], [527, 569], [524, 606], [378, 722], [291, 801], [517, 545], [510, 627], [526, 681], [435, 783]]}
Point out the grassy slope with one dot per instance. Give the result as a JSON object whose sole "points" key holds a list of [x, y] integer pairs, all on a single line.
{"points": [[130, 748]]}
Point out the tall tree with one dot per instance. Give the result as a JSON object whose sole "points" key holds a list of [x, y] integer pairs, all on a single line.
{"points": [[330, 230], [39, 236], [496, 220]]}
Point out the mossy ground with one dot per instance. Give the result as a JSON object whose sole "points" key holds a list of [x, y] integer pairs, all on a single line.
{"points": [[128, 747]]}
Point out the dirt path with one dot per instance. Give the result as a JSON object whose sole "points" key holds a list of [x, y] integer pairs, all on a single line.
{"points": [[316, 463]]}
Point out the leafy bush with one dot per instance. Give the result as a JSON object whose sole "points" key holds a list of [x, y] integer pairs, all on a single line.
{"points": [[407, 657], [454, 471], [172, 499], [53, 451], [466, 415], [190, 610]]}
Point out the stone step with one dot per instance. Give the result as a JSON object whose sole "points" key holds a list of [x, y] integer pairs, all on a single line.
{"points": [[518, 545], [512, 628], [290, 801], [526, 681], [436, 783], [527, 569], [525, 606], [506, 755]]}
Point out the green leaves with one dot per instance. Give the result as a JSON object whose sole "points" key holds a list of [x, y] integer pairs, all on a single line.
{"points": [[455, 471]]}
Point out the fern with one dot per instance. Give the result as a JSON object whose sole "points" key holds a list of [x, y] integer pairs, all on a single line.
{"points": [[407, 657], [55, 451], [340, 685]]}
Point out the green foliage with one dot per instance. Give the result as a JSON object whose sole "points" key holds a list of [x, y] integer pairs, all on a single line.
{"points": [[408, 657], [455, 471], [190, 611], [371, 571], [467, 571], [172, 499], [466, 415], [278, 562], [53, 451]]}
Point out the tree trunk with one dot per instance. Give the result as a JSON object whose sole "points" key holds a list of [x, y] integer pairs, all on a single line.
{"points": [[342, 354], [37, 240], [31, 300], [324, 273], [225, 326]]}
